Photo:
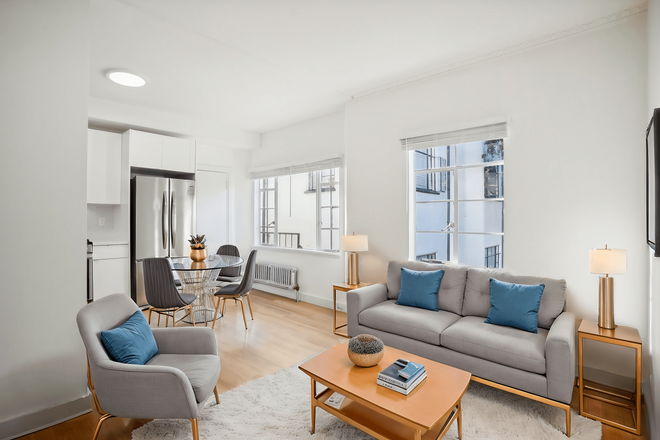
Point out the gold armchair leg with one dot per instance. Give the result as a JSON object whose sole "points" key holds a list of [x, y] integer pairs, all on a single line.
{"points": [[568, 421], [103, 418], [192, 316], [195, 429], [217, 397]]}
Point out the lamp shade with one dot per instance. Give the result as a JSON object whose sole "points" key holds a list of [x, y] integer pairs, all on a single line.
{"points": [[608, 261], [354, 243]]}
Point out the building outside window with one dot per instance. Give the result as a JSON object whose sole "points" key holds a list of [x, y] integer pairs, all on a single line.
{"points": [[458, 219], [492, 258], [299, 210]]}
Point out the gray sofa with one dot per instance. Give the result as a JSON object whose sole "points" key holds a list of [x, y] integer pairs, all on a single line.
{"points": [[539, 366]]}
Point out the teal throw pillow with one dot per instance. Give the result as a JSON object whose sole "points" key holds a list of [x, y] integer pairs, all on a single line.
{"points": [[515, 305], [420, 288], [132, 342]]}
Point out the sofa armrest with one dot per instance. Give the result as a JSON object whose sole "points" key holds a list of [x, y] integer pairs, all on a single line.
{"points": [[186, 340], [560, 358], [360, 299], [143, 391]]}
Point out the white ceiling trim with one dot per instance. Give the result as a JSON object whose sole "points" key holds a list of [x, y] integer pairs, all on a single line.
{"points": [[511, 49]]}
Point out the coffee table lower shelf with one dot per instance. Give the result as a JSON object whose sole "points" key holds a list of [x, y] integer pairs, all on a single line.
{"points": [[376, 424]]}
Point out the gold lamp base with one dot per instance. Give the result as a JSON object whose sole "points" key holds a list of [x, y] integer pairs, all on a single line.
{"points": [[606, 303], [353, 274]]}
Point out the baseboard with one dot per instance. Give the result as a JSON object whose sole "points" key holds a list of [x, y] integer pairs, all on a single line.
{"points": [[45, 418], [291, 294]]}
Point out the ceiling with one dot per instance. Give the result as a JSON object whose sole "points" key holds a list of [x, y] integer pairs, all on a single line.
{"points": [[260, 65]]}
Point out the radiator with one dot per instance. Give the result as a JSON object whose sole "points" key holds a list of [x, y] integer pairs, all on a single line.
{"points": [[284, 277]]}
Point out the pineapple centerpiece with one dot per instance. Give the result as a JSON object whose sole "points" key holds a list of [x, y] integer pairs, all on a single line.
{"points": [[197, 247]]}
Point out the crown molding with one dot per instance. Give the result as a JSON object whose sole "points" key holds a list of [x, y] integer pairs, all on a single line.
{"points": [[511, 49]]}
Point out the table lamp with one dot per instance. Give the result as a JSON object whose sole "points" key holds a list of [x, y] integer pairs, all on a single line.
{"points": [[352, 244], [607, 261]]}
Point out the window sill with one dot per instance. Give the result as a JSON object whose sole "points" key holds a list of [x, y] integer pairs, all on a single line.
{"points": [[335, 255]]}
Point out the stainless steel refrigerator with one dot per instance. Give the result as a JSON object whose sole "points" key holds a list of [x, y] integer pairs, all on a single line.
{"points": [[162, 220]]}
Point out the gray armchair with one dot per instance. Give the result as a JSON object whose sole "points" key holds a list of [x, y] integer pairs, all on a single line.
{"points": [[173, 384]]}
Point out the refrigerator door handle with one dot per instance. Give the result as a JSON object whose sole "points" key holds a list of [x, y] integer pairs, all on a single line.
{"points": [[173, 222], [163, 223]]}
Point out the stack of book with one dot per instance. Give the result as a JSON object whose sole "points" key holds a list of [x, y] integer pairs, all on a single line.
{"points": [[402, 376]]}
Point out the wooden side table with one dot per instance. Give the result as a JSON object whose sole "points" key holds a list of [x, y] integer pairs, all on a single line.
{"points": [[626, 337], [343, 287]]}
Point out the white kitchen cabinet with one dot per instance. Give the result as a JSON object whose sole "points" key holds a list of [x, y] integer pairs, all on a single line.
{"points": [[111, 270], [149, 150], [103, 167], [178, 154]]}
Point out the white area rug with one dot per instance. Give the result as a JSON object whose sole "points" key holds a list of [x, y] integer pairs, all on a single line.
{"points": [[278, 407]]}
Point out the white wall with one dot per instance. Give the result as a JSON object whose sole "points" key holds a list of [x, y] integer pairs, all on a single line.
{"points": [[44, 48], [653, 365], [310, 140], [574, 160]]}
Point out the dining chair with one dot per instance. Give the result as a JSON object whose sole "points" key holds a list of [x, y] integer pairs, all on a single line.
{"points": [[174, 384], [237, 291], [161, 292], [229, 274]]}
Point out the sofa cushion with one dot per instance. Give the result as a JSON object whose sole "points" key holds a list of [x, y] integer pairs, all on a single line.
{"points": [[420, 324], [477, 293], [202, 370], [419, 288], [503, 345], [450, 296], [514, 305]]}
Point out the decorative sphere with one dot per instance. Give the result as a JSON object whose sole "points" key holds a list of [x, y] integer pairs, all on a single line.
{"points": [[365, 350]]}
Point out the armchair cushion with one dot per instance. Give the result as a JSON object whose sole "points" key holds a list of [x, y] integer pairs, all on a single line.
{"points": [[201, 370], [132, 342]]}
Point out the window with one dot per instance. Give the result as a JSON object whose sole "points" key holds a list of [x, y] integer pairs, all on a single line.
{"points": [[267, 197], [459, 202], [431, 183], [299, 208]]}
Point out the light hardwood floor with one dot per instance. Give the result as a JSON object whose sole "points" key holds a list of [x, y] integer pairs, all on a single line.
{"points": [[282, 334]]}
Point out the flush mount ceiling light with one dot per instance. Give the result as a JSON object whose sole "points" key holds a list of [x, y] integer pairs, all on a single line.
{"points": [[125, 78]]}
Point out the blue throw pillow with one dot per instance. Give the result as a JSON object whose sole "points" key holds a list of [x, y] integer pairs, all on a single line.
{"points": [[515, 305], [132, 342], [420, 288]]}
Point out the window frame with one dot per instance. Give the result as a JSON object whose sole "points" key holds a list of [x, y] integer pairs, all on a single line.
{"points": [[320, 187], [455, 201]]}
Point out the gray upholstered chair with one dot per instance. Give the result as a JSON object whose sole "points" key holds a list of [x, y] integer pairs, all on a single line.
{"points": [[174, 384], [161, 292], [229, 274], [238, 290]]}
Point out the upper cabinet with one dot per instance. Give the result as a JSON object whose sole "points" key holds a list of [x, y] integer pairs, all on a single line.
{"points": [[103, 167], [148, 150]]}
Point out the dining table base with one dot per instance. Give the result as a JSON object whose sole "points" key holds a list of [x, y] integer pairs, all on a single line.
{"points": [[203, 285]]}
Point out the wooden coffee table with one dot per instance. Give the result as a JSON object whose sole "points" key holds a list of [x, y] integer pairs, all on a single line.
{"points": [[426, 413]]}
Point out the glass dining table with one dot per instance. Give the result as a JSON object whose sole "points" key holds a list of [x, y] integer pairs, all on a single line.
{"points": [[199, 278]]}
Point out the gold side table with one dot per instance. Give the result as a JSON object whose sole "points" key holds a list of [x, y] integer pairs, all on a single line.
{"points": [[342, 287], [626, 337]]}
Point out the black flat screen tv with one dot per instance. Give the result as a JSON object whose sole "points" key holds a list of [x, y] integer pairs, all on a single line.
{"points": [[653, 183]]}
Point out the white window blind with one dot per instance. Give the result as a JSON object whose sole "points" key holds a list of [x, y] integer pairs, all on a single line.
{"points": [[472, 134], [297, 169]]}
